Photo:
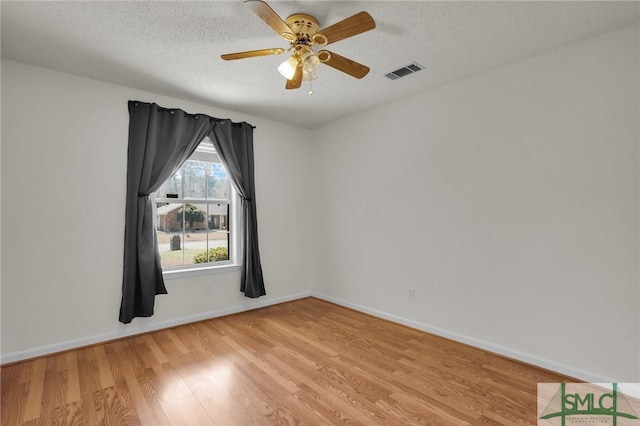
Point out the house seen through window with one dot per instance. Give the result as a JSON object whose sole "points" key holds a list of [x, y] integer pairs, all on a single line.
{"points": [[194, 208]]}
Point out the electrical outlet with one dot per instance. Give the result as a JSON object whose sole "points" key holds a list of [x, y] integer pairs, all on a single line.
{"points": [[411, 294], [208, 288]]}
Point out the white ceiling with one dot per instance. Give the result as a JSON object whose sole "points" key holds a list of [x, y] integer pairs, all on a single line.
{"points": [[173, 47]]}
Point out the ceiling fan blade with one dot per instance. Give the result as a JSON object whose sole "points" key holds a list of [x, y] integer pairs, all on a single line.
{"points": [[356, 24], [271, 18], [343, 64], [252, 53], [296, 81]]}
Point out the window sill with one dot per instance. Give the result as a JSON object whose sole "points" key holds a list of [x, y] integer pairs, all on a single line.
{"points": [[195, 272]]}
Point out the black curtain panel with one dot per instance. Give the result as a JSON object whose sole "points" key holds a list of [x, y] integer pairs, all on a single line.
{"points": [[160, 141], [234, 144]]}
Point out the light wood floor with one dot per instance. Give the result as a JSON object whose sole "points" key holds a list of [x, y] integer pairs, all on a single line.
{"points": [[305, 362]]}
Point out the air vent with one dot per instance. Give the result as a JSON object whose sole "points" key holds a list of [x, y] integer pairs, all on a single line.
{"points": [[401, 72]]}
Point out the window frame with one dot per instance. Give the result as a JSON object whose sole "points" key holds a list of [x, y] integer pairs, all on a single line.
{"points": [[206, 152]]}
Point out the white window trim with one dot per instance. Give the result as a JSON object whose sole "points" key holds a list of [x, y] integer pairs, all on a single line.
{"points": [[198, 272], [207, 153]]}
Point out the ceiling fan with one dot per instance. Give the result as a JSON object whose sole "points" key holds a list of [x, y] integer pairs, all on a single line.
{"points": [[303, 34]]}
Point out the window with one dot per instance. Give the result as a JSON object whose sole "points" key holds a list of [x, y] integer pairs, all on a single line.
{"points": [[195, 214]]}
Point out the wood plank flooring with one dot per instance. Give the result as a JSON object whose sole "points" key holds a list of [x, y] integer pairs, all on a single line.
{"points": [[305, 362]]}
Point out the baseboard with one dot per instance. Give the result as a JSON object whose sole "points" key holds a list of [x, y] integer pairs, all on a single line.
{"points": [[477, 343], [24, 354]]}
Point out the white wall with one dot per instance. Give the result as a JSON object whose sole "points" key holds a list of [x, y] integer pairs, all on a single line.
{"points": [[64, 150], [509, 201]]}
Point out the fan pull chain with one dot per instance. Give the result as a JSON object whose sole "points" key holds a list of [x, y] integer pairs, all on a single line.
{"points": [[310, 87]]}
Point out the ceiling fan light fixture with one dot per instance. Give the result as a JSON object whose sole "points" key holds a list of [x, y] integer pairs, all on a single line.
{"points": [[310, 61], [288, 68], [309, 75]]}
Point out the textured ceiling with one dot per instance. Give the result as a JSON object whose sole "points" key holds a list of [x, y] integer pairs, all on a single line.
{"points": [[173, 47]]}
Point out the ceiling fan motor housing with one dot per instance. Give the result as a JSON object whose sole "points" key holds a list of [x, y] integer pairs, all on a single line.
{"points": [[306, 29]]}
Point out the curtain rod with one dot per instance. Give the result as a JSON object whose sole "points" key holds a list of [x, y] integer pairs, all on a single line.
{"points": [[173, 110]]}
